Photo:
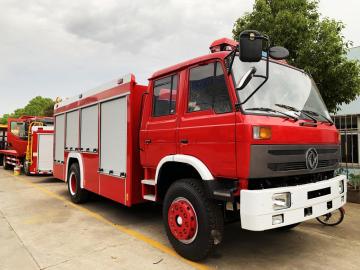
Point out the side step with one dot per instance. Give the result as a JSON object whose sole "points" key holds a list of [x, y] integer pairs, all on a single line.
{"points": [[150, 182], [149, 197], [148, 189]]}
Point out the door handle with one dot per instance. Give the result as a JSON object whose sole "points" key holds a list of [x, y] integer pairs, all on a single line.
{"points": [[147, 141], [184, 141]]}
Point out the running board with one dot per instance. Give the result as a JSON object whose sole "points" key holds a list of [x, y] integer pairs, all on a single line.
{"points": [[149, 197], [150, 182], [148, 189]]}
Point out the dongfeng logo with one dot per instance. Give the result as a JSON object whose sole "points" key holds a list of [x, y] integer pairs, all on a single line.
{"points": [[312, 159]]}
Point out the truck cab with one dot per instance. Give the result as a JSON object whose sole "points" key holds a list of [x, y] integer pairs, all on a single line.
{"points": [[255, 134], [29, 144]]}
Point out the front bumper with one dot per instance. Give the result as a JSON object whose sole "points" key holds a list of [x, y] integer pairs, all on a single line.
{"points": [[256, 206]]}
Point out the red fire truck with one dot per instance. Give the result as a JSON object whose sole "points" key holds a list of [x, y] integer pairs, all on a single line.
{"points": [[29, 144], [237, 134]]}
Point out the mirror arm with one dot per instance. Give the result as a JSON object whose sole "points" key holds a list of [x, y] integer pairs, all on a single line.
{"points": [[232, 54], [266, 77]]}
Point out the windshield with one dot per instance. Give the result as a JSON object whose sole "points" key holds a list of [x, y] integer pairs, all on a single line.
{"points": [[18, 129], [285, 85]]}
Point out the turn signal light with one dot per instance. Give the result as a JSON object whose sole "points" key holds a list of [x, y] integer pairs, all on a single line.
{"points": [[261, 133]]}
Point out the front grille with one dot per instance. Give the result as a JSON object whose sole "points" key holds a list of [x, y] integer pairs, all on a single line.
{"points": [[285, 152], [285, 160], [290, 166], [294, 180]]}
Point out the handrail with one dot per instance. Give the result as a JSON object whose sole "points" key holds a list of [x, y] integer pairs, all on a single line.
{"points": [[30, 141]]}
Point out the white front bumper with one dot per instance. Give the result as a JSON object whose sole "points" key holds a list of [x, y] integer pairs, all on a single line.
{"points": [[256, 206]]}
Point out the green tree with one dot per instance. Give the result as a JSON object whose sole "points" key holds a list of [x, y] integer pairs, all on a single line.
{"points": [[38, 106], [315, 45]]}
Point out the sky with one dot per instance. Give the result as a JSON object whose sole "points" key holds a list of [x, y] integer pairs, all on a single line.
{"points": [[63, 48]]}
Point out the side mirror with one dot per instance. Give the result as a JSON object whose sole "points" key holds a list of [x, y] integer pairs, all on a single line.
{"points": [[278, 53], [251, 45]]}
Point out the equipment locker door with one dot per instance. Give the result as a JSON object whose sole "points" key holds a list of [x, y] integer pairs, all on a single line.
{"points": [[207, 126], [113, 148], [45, 152]]}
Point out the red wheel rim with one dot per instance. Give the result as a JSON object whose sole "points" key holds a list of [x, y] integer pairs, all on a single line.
{"points": [[73, 183], [182, 220]]}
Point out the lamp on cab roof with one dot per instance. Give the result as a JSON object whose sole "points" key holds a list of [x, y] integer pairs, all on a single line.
{"points": [[223, 44]]}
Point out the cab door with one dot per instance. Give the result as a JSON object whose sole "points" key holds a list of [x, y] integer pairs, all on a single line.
{"points": [[207, 125], [159, 136]]}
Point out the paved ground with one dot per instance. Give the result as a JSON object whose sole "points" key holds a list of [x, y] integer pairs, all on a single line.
{"points": [[41, 229]]}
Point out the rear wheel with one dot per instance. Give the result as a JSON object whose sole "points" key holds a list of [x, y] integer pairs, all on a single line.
{"points": [[6, 166], [26, 168], [77, 194], [193, 222]]}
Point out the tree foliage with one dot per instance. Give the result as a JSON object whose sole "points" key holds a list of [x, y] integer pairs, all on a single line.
{"points": [[315, 45], [38, 106]]}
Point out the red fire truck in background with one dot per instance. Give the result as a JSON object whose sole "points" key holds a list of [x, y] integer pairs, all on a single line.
{"points": [[29, 144], [237, 134]]}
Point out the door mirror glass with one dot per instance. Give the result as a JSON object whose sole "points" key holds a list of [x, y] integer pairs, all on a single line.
{"points": [[251, 45]]}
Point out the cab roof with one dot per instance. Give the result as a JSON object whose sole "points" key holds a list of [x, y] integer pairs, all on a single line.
{"points": [[203, 58]]}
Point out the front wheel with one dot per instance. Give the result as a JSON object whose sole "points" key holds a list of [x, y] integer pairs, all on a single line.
{"points": [[194, 223], [6, 166], [77, 194]]}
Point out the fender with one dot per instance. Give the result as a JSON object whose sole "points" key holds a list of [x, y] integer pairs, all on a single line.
{"points": [[199, 166], [80, 161]]}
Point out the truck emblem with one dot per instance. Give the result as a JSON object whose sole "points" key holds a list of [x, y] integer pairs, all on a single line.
{"points": [[312, 158]]}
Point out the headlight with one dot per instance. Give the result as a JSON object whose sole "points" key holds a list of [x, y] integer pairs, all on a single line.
{"points": [[281, 200], [261, 133], [341, 186]]}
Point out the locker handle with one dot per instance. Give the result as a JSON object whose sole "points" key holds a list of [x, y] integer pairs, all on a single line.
{"points": [[147, 141]]}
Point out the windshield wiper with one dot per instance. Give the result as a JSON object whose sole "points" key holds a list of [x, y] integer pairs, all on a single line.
{"points": [[297, 110], [262, 109], [319, 114]]}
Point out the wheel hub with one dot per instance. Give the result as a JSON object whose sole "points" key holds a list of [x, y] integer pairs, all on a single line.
{"points": [[182, 220]]}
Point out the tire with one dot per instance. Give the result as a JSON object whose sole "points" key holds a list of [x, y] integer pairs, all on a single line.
{"points": [[26, 168], [193, 222], [77, 194], [288, 227], [5, 165]]}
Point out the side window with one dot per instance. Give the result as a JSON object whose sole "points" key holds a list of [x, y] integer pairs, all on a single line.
{"points": [[208, 89], [164, 99]]}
